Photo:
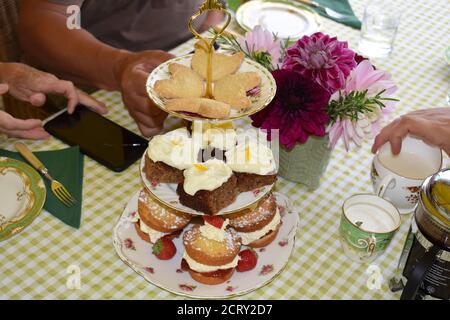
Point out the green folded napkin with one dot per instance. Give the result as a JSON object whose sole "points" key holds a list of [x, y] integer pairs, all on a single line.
{"points": [[66, 166], [340, 6]]}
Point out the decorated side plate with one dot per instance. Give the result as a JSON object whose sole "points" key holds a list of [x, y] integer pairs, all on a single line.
{"points": [[22, 196], [268, 89], [166, 193], [286, 20], [167, 275]]}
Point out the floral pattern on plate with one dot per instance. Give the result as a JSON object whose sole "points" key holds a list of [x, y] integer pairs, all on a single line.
{"points": [[168, 275], [22, 196]]}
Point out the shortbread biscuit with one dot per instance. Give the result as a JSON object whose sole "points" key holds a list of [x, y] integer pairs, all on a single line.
{"points": [[232, 89], [184, 83], [207, 108], [222, 64]]}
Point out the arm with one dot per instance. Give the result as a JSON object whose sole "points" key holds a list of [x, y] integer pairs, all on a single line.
{"points": [[431, 125], [71, 54], [84, 59]]}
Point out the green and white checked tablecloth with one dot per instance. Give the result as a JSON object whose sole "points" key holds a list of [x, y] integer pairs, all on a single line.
{"points": [[33, 265]]}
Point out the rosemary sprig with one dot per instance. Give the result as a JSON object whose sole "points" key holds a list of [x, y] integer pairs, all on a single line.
{"points": [[228, 42], [355, 103]]}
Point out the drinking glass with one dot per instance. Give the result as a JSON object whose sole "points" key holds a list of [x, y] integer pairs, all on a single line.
{"points": [[379, 28]]}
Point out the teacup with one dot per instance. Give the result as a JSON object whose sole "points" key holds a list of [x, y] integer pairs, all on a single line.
{"points": [[368, 224], [399, 178]]}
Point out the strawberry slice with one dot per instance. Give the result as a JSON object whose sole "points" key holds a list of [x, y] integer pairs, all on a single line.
{"points": [[215, 221], [247, 260], [184, 265], [164, 249]]}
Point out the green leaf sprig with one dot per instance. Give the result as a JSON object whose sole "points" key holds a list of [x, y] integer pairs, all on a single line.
{"points": [[354, 104]]}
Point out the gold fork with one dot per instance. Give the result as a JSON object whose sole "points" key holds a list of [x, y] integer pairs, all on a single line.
{"points": [[58, 189]]}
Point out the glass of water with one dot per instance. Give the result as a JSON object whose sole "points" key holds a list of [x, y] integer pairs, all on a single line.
{"points": [[379, 28]]}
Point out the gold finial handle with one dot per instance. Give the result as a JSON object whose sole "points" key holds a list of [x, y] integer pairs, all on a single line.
{"points": [[209, 5]]}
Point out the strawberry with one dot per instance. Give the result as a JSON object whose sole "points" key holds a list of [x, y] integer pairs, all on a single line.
{"points": [[184, 265], [248, 260], [215, 221], [164, 249]]}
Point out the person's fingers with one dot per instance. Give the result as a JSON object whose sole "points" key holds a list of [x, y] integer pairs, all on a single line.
{"points": [[20, 92], [34, 134], [91, 103], [142, 104], [396, 144], [380, 140], [37, 99], [3, 88], [8, 123], [147, 131], [145, 119], [60, 87], [140, 80]]}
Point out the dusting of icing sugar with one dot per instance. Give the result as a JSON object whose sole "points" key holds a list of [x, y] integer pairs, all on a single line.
{"points": [[263, 212], [163, 213], [231, 240]]}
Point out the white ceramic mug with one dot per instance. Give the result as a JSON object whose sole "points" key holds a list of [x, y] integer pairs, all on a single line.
{"points": [[399, 178]]}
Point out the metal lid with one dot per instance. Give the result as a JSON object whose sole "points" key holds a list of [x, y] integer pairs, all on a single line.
{"points": [[435, 196]]}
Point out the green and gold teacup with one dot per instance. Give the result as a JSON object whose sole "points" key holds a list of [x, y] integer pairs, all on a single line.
{"points": [[368, 224]]}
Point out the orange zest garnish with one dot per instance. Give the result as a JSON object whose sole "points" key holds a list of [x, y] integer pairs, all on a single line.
{"points": [[247, 154], [200, 167], [224, 125]]}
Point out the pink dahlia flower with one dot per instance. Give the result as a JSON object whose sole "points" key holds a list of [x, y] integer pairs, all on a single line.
{"points": [[322, 59], [297, 111], [363, 77], [260, 42]]}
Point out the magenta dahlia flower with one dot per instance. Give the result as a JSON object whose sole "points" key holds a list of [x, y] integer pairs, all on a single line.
{"points": [[322, 59], [297, 111]]}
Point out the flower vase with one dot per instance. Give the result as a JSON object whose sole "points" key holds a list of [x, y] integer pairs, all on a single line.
{"points": [[306, 163]]}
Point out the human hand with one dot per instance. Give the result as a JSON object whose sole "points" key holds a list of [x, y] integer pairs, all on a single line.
{"points": [[26, 129], [31, 85], [132, 76], [431, 125]]}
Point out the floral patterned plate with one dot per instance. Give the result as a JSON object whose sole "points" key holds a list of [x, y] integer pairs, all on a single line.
{"points": [[167, 275], [166, 193], [22, 196], [268, 88]]}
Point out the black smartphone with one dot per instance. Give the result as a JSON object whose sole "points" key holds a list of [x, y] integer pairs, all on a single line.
{"points": [[99, 138]]}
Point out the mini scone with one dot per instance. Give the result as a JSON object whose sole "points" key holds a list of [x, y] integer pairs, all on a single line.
{"points": [[258, 226], [154, 221], [168, 155], [211, 254], [222, 64], [207, 108], [184, 83], [253, 164], [233, 89], [208, 187]]}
